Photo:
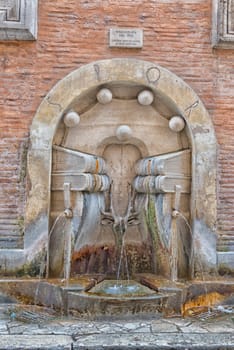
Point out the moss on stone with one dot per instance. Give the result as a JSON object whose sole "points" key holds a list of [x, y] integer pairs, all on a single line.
{"points": [[161, 258], [225, 270], [23, 162], [34, 268], [20, 223]]}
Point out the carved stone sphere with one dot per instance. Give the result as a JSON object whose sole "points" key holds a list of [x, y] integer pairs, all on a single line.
{"points": [[71, 119], [123, 133], [104, 96], [145, 97], [176, 123]]}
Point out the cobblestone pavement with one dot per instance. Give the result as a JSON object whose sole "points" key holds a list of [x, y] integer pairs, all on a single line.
{"points": [[36, 329]]}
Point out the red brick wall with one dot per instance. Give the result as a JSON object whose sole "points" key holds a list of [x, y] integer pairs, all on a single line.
{"points": [[177, 35]]}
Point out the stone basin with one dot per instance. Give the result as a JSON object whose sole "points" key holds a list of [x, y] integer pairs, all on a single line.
{"points": [[94, 297], [121, 289], [112, 298]]}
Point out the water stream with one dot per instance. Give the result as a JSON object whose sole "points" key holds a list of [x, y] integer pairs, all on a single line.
{"points": [[68, 251], [174, 250], [123, 257], [40, 277], [120, 225], [191, 262], [61, 215]]}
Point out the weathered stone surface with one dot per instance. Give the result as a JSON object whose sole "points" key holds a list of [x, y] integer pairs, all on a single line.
{"points": [[145, 97], [156, 341], [104, 96], [215, 332], [31, 342], [71, 119], [18, 20], [176, 124], [83, 304], [226, 260], [123, 133], [223, 24], [12, 259], [163, 327]]}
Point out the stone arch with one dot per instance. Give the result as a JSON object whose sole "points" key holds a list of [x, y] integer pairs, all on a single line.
{"points": [[174, 91]]}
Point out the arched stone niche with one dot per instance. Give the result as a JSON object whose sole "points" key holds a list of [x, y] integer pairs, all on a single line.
{"points": [[126, 78]]}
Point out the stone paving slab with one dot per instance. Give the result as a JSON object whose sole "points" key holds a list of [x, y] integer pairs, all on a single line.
{"points": [[140, 341], [35, 342], [160, 341], [216, 333]]}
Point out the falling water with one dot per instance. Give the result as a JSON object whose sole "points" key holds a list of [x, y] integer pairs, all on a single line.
{"points": [[67, 252], [174, 246], [174, 250], [123, 256], [191, 263], [61, 215], [40, 276], [126, 264], [120, 261], [191, 260], [192, 249], [119, 227], [120, 230]]}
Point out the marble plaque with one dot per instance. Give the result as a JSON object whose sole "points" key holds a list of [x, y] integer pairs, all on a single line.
{"points": [[126, 37]]}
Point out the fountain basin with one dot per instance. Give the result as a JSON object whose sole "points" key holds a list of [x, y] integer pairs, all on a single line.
{"points": [[118, 298], [121, 289], [93, 297], [122, 298]]}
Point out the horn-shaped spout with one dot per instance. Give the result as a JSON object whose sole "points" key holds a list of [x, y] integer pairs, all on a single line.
{"points": [[120, 223]]}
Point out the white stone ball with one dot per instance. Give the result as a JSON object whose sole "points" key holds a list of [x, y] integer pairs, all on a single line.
{"points": [[71, 119], [145, 97], [176, 123], [104, 96], [123, 133]]}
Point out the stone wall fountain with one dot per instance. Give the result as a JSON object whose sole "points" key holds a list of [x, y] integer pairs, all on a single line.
{"points": [[117, 185], [122, 199]]}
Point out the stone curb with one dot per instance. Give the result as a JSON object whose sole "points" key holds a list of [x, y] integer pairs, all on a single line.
{"points": [[35, 342], [160, 341], [137, 341]]}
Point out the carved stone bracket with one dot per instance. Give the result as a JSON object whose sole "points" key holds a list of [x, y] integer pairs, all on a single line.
{"points": [[18, 19], [223, 24]]}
